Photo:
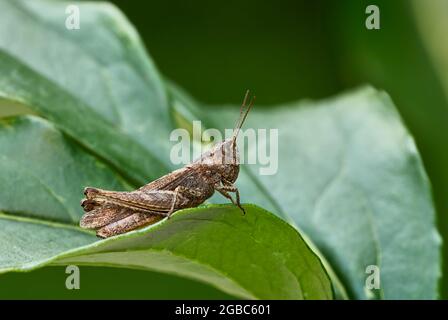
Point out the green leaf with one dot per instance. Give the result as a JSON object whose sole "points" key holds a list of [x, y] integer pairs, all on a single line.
{"points": [[251, 256], [350, 176], [42, 172], [415, 80], [96, 83]]}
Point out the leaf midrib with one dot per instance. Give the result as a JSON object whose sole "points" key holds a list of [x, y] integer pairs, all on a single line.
{"points": [[48, 223]]}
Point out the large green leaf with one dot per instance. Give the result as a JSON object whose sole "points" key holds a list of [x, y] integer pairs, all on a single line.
{"points": [[349, 175], [96, 83], [42, 172], [415, 79], [251, 256]]}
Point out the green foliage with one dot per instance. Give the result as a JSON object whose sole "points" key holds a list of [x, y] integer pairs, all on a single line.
{"points": [[349, 178], [253, 256], [406, 57]]}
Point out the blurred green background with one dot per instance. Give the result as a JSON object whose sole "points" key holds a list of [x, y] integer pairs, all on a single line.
{"points": [[283, 50]]}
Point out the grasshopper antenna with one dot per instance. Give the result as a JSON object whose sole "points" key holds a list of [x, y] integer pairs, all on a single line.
{"points": [[243, 114], [241, 109]]}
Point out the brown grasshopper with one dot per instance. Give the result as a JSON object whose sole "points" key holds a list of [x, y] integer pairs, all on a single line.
{"points": [[111, 212]]}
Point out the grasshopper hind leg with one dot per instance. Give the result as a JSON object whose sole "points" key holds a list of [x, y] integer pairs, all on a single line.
{"points": [[131, 222], [109, 218]]}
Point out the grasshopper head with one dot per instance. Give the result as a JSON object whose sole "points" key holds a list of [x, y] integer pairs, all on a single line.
{"points": [[224, 156], [230, 159], [227, 159]]}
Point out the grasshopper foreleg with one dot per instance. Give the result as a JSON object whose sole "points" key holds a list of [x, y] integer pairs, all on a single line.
{"points": [[225, 189]]}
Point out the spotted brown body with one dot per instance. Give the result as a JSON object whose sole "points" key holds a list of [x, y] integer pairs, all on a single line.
{"points": [[113, 212]]}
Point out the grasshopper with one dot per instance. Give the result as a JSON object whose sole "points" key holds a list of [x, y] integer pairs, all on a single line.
{"points": [[111, 212]]}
